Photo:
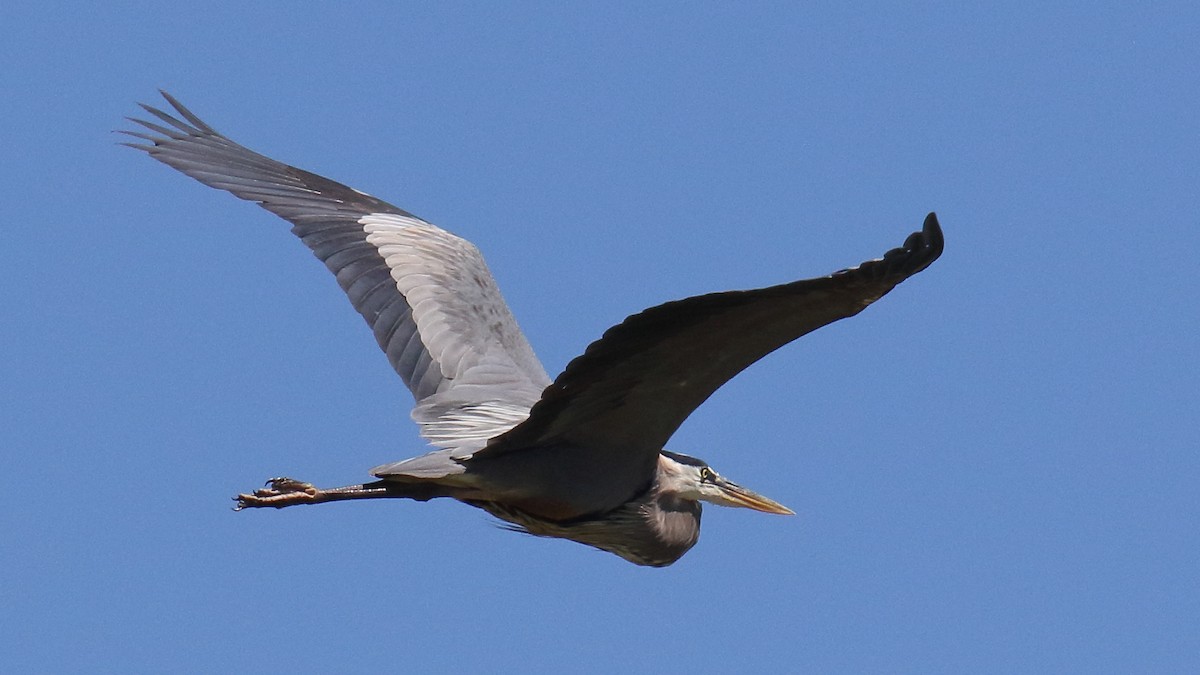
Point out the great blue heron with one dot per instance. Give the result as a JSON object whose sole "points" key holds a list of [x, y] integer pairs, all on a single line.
{"points": [[580, 457]]}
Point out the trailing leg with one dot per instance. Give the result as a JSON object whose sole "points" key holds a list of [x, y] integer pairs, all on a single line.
{"points": [[281, 492]]}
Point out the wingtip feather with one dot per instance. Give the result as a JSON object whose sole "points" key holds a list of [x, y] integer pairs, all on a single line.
{"points": [[931, 240], [187, 114]]}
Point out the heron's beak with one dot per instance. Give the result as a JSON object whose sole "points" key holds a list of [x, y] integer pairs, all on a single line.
{"points": [[736, 495]]}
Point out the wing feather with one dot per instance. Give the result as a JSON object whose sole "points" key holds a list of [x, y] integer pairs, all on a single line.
{"points": [[427, 294], [631, 389]]}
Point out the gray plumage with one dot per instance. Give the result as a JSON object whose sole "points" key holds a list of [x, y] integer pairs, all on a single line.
{"points": [[580, 457]]}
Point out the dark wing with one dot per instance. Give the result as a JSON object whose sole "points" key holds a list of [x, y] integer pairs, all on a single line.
{"points": [[632, 388], [427, 294]]}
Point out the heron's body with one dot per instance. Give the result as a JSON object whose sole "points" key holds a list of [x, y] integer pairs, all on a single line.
{"points": [[580, 457], [654, 526]]}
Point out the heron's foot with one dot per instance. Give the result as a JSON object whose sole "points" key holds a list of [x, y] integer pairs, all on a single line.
{"points": [[278, 493]]}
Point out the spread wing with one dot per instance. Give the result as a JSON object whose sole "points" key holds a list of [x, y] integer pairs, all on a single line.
{"points": [[427, 294], [629, 392]]}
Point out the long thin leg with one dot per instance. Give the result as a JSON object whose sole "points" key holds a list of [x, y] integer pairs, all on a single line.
{"points": [[281, 492]]}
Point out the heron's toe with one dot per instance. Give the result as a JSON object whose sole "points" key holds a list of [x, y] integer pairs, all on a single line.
{"points": [[278, 493], [284, 485]]}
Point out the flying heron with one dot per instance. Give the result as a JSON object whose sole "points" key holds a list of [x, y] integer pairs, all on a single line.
{"points": [[579, 457]]}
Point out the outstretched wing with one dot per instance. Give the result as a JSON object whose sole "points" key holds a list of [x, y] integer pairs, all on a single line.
{"points": [[427, 294], [629, 392]]}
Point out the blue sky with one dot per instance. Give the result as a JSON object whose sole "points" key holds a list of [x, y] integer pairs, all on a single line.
{"points": [[994, 468]]}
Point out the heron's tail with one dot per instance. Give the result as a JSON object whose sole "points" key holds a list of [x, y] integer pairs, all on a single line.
{"points": [[433, 466]]}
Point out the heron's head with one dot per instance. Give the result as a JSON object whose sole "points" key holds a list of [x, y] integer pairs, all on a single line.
{"points": [[692, 478]]}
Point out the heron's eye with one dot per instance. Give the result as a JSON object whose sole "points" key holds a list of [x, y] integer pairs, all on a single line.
{"points": [[707, 475]]}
